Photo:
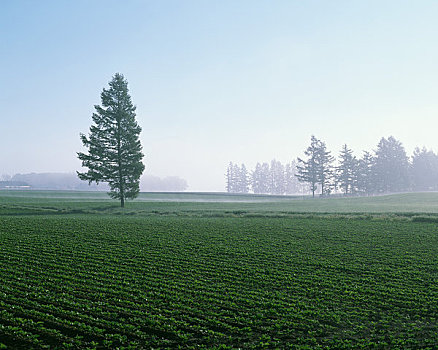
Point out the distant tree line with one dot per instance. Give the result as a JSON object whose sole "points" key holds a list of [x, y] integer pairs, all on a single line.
{"points": [[387, 169], [266, 178], [70, 181]]}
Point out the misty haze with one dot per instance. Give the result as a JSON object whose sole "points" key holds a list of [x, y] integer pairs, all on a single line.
{"points": [[219, 174]]}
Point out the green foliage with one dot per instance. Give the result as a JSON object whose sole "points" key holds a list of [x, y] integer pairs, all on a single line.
{"points": [[163, 281], [424, 170], [317, 169], [365, 174], [114, 149], [391, 167], [307, 170], [346, 174], [425, 218], [212, 204], [237, 179]]}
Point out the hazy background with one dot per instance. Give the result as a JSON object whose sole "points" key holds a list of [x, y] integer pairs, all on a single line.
{"points": [[217, 81]]}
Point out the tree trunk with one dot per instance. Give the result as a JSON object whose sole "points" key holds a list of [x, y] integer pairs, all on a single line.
{"points": [[122, 190]]}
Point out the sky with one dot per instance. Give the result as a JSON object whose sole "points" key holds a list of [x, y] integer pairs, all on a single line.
{"points": [[217, 81]]}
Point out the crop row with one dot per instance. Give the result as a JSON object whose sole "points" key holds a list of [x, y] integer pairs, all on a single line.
{"points": [[233, 282]]}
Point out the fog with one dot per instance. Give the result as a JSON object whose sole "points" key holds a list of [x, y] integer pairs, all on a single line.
{"points": [[217, 82], [70, 181]]}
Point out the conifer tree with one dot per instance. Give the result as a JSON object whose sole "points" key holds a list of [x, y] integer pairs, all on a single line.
{"points": [[424, 170], [256, 179], [365, 177], [276, 179], [346, 171], [114, 149], [265, 178], [324, 168], [317, 169], [391, 166], [243, 179], [291, 181], [236, 178], [307, 170], [230, 177]]}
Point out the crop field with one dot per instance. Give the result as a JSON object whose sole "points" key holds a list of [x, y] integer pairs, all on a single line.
{"points": [[218, 272]]}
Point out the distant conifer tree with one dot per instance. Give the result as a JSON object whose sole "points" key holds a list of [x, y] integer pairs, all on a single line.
{"points": [[244, 179], [307, 170], [292, 183], [277, 178], [424, 170], [325, 168], [346, 171], [256, 179], [230, 178], [365, 177], [317, 169], [391, 166]]}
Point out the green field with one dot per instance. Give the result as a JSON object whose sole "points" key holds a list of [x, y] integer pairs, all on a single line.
{"points": [[207, 271]]}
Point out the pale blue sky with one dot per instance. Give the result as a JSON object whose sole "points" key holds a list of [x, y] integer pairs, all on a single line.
{"points": [[217, 81]]}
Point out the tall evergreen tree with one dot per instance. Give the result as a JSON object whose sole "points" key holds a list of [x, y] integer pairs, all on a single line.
{"points": [[346, 170], [317, 169], [114, 149], [277, 177], [237, 178], [243, 179], [260, 178], [256, 179], [424, 170], [307, 170], [265, 173], [230, 178], [325, 168], [391, 166], [292, 185], [365, 177]]}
